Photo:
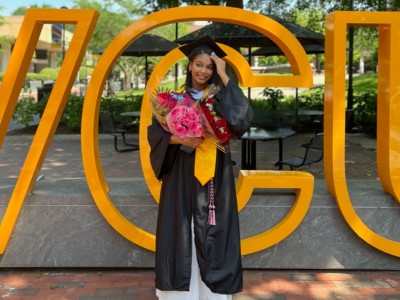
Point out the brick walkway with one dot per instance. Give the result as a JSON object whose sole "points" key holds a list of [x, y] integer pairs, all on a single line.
{"points": [[139, 285]]}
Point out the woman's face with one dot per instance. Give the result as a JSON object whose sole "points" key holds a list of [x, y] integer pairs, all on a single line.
{"points": [[202, 69]]}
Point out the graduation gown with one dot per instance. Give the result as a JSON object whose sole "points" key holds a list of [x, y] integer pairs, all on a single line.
{"points": [[183, 198]]}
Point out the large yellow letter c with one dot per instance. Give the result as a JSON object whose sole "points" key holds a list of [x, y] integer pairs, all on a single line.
{"points": [[90, 152]]}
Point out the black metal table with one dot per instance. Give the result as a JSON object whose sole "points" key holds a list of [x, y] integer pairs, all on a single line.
{"points": [[135, 114], [249, 144]]}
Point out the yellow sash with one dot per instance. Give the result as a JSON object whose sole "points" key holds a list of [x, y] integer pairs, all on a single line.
{"points": [[206, 153], [205, 160]]}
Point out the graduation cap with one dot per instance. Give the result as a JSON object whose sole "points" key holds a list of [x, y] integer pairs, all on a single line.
{"points": [[204, 43]]}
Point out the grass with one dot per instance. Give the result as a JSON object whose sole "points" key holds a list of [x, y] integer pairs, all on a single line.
{"points": [[361, 83], [166, 85], [365, 82]]}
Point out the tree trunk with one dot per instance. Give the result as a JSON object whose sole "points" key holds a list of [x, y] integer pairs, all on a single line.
{"points": [[235, 3]]}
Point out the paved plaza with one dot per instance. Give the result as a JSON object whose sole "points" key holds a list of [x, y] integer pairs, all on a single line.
{"points": [[64, 161]]}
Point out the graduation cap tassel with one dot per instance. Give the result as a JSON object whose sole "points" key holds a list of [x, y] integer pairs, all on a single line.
{"points": [[211, 206]]}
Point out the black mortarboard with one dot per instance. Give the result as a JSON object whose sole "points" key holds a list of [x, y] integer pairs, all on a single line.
{"points": [[204, 43]]}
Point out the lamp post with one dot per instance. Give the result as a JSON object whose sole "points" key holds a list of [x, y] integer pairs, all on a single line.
{"points": [[350, 101], [63, 37], [176, 65]]}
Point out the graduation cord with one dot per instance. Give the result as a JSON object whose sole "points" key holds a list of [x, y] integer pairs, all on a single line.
{"points": [[211, 205]]}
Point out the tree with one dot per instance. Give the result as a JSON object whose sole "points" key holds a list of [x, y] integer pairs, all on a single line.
{"points": [[111, 21], [5, 41], [115, 15], [313, 19], [278, 8], [155, 5], [20, 11]]}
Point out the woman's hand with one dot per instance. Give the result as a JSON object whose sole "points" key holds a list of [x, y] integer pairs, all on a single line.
{"points": [[192, 142], [220, 64]]}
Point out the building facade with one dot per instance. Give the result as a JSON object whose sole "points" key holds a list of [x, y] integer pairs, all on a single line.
{"points": [[53, 42]]}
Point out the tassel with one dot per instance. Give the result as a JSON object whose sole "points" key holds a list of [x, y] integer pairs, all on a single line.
{"points": [[211, 217], [211, 206]]}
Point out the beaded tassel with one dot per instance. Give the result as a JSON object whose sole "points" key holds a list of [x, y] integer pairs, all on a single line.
{"points": [[211, 205]]}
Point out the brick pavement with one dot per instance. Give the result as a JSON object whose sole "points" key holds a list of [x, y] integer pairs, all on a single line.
{"points": [[139, 285], [64, 160]]}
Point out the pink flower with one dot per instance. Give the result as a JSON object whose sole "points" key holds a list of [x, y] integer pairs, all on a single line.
{"points": [[196, 128], [178, 111], [184, 120], [180, 131], [193, 114]]}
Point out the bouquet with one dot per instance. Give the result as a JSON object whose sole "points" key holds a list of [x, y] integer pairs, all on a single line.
{"points": [[218, 124], [184, 117], [184, 120]]}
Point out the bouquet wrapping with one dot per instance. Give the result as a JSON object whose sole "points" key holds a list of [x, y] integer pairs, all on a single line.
{"points": [[184, 117]]}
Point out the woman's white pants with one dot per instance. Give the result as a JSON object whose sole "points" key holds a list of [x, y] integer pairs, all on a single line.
{"points": [[197, 290]]}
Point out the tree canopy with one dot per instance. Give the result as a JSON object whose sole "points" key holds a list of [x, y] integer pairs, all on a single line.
{"points": [[115, 15]]}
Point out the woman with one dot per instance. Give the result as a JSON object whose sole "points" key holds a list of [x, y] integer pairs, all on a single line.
{"points": [[195, 259]]}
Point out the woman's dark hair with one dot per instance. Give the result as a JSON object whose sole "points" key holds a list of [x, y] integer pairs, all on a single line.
{"points": [[203, 49]]}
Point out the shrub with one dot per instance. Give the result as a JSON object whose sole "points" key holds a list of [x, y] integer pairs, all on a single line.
{"points": [[365, 108], [273, 98], [24, 111], [312, 99], [72, 114], [117, 105], [274, 111], [48, 74]]}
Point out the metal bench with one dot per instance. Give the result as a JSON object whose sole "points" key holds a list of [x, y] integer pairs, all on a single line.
{"points": [[313, 154], [107, 125]]}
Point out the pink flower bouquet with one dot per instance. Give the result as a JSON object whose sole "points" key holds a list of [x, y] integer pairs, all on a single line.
{"points": [[185, 121], [184, 117]]}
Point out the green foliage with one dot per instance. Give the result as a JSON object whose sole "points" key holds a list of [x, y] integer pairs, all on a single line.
{"points": [[84, 72], [31, 76], [366, 82], [313, 18], [114, 17], [21, 10], [25, 111], [126, 102], [5, 40], [49, 74], [312, 99], [169, 31], [72, 114], [273, 98], [272, 111], [365, 108], [163, 4], [39, 76], [41, 105], [170, 85]]}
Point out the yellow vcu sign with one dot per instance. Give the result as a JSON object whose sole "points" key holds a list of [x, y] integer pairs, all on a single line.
{"points": [[301, 183]]}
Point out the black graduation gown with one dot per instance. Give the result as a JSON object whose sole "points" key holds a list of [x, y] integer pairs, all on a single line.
{"points": [[183, 197]]}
